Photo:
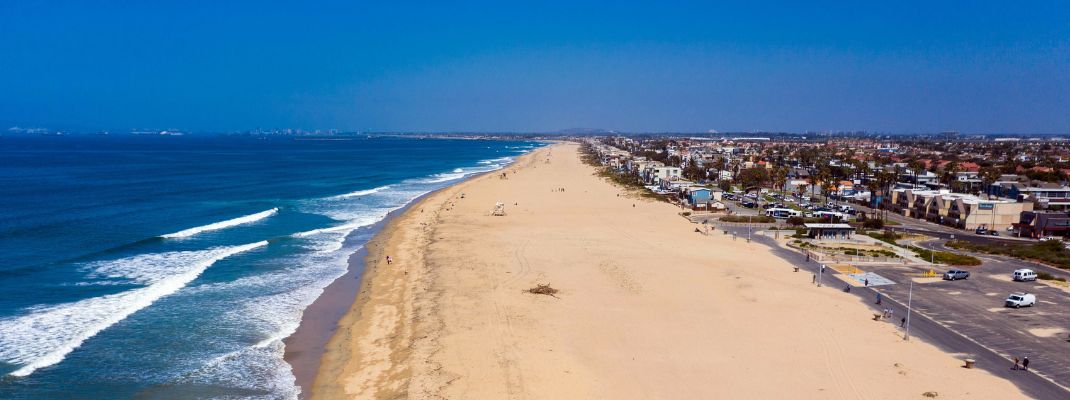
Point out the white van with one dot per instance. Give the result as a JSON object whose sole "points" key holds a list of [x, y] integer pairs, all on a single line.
{"points": [[1023, 275], [1018, 300]]}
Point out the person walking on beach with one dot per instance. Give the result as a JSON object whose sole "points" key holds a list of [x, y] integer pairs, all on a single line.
{"points": [[1016, 361], [1025, 363], [389, 260]]}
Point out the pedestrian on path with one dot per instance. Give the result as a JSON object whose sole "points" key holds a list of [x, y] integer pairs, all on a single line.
{"points": [[867, 285], [1025, 363], [903, 322], [1016, 361], [878, 298]]}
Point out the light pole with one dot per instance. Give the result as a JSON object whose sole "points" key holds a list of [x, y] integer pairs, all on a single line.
{"points": [[750, 221], [910, 296]]}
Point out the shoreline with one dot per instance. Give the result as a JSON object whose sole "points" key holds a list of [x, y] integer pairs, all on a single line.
{"points": [[645, 308], [304, 349]]}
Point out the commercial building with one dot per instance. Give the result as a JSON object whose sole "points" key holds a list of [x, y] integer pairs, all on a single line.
{"points": [[1041, 224], [963, 211]]}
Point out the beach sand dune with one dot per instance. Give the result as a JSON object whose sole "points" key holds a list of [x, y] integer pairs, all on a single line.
{"points": [[645, 309]]}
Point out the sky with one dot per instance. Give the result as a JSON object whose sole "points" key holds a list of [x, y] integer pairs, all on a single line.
{"points": [[893, 66]]}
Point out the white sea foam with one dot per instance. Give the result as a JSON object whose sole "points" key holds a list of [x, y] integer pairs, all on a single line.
{"points": [[339, 228], [271, 308], [222, 224], [365, 192], [46, 334]]}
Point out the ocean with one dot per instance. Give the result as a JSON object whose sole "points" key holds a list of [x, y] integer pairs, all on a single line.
{"points": [[174, 266]]}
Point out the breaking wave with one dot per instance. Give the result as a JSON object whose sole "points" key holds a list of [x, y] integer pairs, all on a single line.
{"points": [[362, 192], [46, 334], [222, 224]]}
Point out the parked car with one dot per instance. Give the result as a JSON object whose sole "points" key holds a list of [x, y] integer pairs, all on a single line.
{"points": [[1024, 275], [1018, 300], [956, 274]]}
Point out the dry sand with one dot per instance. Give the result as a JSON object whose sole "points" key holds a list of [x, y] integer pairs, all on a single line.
{"points": [[647, 308]]}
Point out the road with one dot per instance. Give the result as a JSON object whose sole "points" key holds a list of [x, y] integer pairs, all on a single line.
{"points": [[961, 317]]}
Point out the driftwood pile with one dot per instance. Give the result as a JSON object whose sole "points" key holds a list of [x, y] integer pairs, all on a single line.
{"points": [[543, 289]]}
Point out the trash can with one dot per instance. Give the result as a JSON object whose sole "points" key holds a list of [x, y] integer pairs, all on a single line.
{"points": [[796, 269], [969, 363]]}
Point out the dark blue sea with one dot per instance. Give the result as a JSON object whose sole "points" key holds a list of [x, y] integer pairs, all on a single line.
{"points": [[174, 266]]}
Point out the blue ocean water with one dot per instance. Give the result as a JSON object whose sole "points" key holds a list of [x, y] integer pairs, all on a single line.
{"points": [[173, 266]]}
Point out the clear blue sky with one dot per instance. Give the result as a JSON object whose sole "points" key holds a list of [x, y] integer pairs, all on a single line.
{"points": [[900, 66]]}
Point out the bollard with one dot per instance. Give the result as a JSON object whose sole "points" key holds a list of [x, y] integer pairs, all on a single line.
{"points": [[969, 363]]}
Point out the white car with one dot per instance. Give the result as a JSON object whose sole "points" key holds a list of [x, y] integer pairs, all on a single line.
{"points": [[1018, 300], [1024, 275]]}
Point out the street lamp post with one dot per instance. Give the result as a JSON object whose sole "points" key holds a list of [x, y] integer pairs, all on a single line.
{"points": [[910, 296]]}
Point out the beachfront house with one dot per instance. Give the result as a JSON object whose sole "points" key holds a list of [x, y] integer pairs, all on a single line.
{"points": [[698, 195]]}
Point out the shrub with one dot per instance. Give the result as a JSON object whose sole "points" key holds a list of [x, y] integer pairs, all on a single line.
{"points": [[873, 223], [796, 221], [758, 219], [1049, 277]]}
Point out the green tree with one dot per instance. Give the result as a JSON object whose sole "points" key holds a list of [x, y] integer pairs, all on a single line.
{"points": [[752, 177]]}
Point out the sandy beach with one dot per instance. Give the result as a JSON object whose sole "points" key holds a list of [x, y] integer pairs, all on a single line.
{"points": [[646, 307]]}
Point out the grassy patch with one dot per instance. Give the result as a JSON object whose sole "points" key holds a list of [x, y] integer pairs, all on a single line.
{"points": [[1052, 251], [939, 257], [943, 257], [886, 236]]}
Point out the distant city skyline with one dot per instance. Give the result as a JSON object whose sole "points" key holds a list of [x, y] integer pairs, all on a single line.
{"points": [[907, 67]]}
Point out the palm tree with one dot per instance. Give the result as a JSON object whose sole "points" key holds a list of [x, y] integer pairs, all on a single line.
{"points": [[989, 176]]}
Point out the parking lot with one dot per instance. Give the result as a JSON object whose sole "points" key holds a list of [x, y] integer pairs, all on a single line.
{"points": [[967, 317], [974, 308]]}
